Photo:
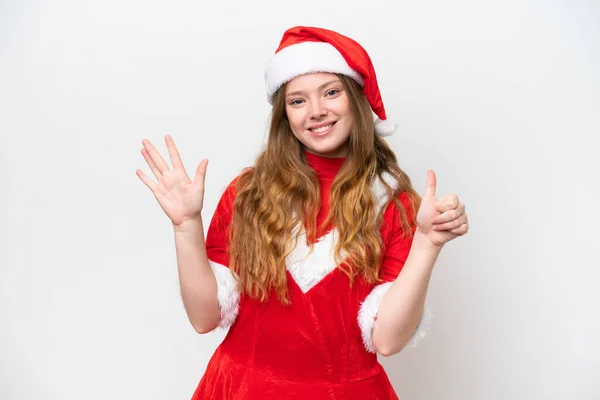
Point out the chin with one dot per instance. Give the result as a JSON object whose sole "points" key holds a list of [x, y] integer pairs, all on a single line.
{"points": [[328, 151]]}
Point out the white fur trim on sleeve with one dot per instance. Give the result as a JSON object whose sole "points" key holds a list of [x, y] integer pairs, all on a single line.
{"points": [[423, 328], [227, 294], [368, 313]]}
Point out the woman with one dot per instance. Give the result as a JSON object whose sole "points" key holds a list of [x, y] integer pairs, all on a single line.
{"points": [[303, 255]]}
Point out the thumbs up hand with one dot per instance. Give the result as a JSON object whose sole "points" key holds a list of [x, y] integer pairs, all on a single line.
{"points": [[441, 220]]}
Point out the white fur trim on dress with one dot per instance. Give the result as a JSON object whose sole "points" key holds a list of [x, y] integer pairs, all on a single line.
{"points": [[227, 294], [309, 268], [368, 313], [378, 189], [304, 58]]}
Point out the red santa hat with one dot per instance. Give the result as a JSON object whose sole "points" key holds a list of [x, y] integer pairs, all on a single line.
{"points": [[304, 50]]}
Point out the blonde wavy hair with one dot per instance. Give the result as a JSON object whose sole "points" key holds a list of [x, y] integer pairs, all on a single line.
{"points": [[281, 191]]}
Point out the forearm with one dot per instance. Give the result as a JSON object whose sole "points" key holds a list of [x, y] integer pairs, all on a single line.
{"points": [[401, 308], [196, 279]]}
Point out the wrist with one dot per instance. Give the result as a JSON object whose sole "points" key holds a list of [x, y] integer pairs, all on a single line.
{"points": [[421, 241], [193, 225]]}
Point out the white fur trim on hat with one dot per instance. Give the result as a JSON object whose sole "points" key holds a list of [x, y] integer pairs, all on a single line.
{"points": [[368, 313], [384, 127], [227, 294], [304, 58]]}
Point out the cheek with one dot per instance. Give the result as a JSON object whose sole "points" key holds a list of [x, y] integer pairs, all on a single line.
{"points": [[341, 107], [347, 112], [345, 108], [296, 119]]}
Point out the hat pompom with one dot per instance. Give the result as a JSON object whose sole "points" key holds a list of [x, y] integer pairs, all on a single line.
{"points": [[384, 127]]}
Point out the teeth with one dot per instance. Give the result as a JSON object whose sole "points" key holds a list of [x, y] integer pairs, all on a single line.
{"points": [[321, 129]]}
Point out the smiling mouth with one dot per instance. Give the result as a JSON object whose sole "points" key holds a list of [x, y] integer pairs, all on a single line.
{"points": [[322, 129]]}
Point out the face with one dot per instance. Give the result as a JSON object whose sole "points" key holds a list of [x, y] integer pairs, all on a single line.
{"points": [[319, 113]]}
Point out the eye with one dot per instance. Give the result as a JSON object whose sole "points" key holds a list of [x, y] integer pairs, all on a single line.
{"points": [[332, 92], [296, 102]]}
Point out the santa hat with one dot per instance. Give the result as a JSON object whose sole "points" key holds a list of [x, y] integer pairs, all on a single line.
{"points": [[303, 50]]}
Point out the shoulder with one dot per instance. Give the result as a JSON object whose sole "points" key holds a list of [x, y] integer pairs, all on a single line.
{"points": [[399, 217], [230, 191], [223, 212], [403, 200], [385, 189]]}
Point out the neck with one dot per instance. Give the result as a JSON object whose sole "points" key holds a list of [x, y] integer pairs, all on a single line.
{"points": [[325, 167]]}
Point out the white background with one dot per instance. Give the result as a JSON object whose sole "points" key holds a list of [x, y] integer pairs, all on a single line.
{"points": [[500, 98]]}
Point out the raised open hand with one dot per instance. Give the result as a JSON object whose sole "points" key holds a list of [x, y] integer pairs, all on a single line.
{"points": [[179, 197], [441, 220]]}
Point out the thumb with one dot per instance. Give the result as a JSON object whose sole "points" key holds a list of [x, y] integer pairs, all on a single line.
{"points": [[201, 172], [431, 183]]}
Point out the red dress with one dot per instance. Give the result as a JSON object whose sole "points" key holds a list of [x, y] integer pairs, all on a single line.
{"points": [[319, 346]]}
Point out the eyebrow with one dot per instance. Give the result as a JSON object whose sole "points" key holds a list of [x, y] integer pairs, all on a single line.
{"points": [[319, 88]]}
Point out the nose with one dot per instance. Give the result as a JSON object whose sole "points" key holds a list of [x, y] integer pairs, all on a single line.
{"points": [[317, 110]]}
